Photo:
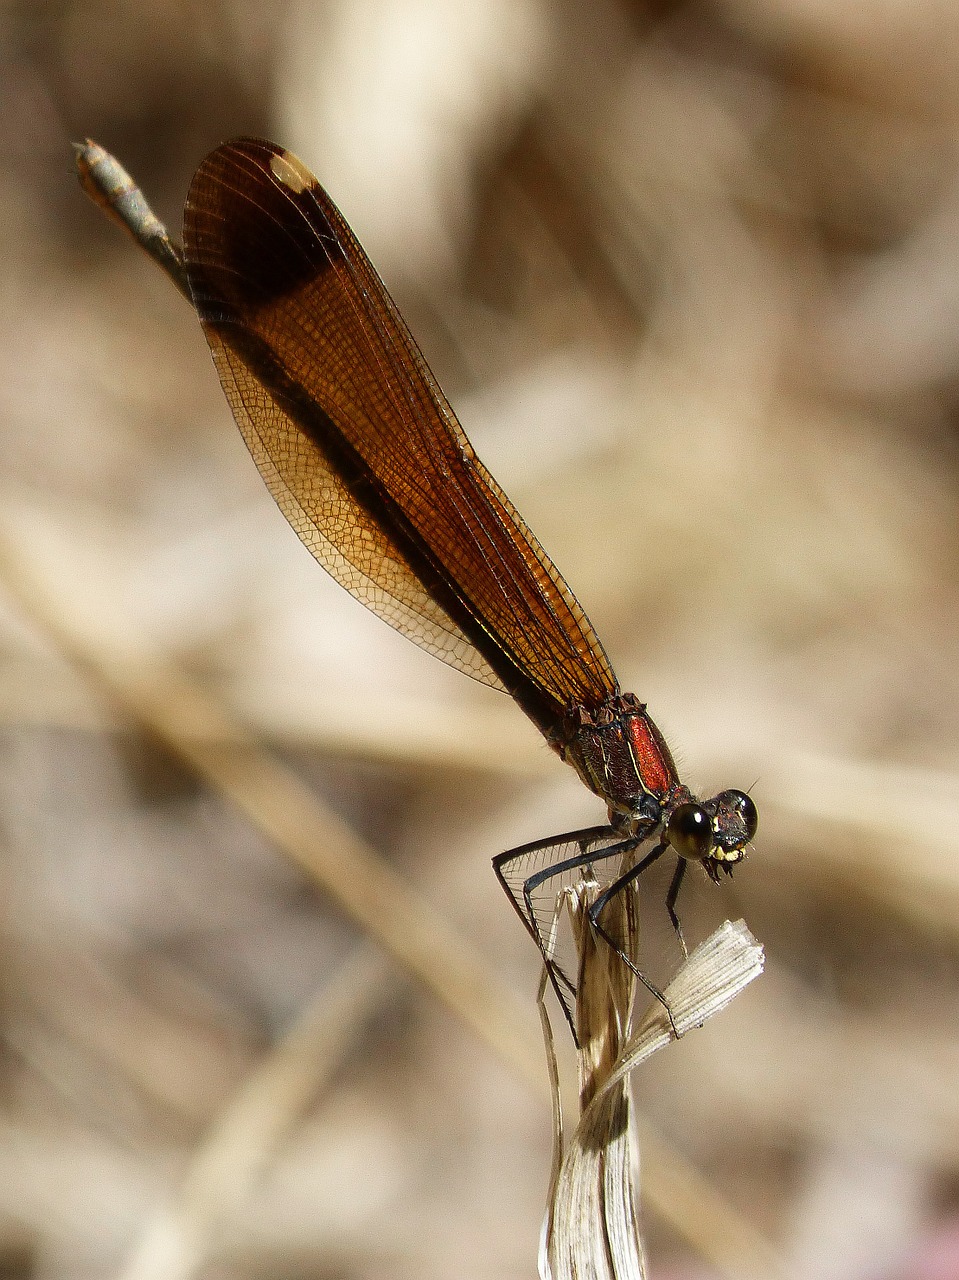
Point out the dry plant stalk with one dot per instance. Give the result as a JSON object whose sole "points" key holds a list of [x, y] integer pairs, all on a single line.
{"points": [[592, 1227]]}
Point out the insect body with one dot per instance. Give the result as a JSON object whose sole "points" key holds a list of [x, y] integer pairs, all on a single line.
{"points": [[366, 459]]}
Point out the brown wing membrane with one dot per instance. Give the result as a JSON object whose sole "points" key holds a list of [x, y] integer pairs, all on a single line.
{"points": [[358, 444]]}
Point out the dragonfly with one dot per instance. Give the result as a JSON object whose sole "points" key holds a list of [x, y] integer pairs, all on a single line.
{"points": [[366, 459]]}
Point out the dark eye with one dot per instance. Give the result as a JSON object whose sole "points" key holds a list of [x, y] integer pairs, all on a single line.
{"points": [[747, 812], [690, 832]]}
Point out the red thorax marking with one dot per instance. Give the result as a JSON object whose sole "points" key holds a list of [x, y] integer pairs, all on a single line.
{"points": [[653, 768]]}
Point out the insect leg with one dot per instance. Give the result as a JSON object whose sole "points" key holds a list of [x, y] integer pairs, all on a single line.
{"points": [[545, 852], [585, 847], [671, 896], [625, 880]]}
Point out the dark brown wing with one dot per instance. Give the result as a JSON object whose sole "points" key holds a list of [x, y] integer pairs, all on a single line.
{"points": [[358, 444]]}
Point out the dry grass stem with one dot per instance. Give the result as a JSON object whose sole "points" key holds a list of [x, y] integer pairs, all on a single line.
{"points": [[592, 1230]]}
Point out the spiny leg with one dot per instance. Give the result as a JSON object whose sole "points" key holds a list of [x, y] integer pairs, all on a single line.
{"points": [[590, 849], [584, 859], [671, 896], [624, 881], [588, 842]]}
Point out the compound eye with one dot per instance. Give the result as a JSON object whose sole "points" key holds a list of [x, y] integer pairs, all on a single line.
{"points": [[747, 812], [690, 832]]}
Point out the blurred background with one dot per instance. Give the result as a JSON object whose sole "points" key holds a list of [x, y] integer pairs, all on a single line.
{"points": [[688, 272]]}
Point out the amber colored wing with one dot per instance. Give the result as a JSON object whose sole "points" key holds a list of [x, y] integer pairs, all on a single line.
{"points": [[358, 444]]}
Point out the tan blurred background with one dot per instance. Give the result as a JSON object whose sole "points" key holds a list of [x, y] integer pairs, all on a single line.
{"points": [[689, 273]]}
